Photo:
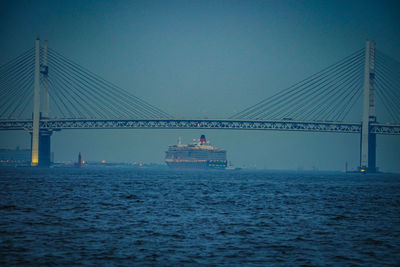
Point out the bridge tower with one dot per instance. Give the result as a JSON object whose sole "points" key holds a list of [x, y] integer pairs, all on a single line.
{"points": [[368, 140], [40, 143], [36, 108]]}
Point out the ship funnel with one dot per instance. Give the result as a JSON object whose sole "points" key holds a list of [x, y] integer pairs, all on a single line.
{"points": [[202, 139]]}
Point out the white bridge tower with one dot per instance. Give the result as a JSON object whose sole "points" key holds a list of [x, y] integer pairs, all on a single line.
{"points": [[40, 144]]}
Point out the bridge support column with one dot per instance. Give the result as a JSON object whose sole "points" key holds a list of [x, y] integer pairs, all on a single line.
{"points": [[36, 108], [372, 153], [40, 139], [44, 156], [368, 140], [45, 159]]}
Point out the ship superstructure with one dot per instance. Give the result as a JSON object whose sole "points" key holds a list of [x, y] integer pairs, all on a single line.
{"points": [[199, 154]]}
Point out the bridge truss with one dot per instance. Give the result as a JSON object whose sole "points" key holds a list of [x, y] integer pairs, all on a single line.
{"points": [[230, 124]]}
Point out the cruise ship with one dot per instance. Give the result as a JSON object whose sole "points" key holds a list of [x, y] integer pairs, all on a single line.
{"points": [[197, 155]]}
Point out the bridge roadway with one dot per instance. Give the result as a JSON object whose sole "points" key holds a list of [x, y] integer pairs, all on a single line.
{"points": [[231, 124]]}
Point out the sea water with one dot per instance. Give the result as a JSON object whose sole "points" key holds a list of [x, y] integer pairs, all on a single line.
{"points": [[158, 217]]}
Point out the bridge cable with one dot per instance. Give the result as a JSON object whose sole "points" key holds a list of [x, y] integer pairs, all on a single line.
{"points": [[16, 59], [387, 80], [286, 91], [325, 97], [296, 86], [59, 93], [319, 95], [113, 98], [80, 83], [387, 96], [302, 99], [349, 104], [22, 96], [65, 79], [290, 98], [386, 99], [327, 104], [314, 87], [389, 73], [54, 103], [330, 109], [14, 72], [95, 78], [14, 88], [70, 97], [387, 106], [10, 67]]}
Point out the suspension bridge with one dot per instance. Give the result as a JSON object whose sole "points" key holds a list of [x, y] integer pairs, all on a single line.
{"points": [[42, 92]]}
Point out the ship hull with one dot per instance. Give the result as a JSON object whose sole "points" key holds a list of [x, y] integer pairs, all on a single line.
{"points": [[197, 164]]}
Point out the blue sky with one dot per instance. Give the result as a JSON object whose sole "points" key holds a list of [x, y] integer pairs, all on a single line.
{"points": [[205, 59]]}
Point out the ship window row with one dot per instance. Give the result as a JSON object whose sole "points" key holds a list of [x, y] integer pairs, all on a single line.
{"points": [[197, 155]]}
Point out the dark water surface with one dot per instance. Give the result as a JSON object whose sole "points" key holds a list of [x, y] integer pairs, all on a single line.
{"points": [[130, 217]]}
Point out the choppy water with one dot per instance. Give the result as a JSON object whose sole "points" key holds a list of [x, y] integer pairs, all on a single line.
{"points": [[130, 217]]}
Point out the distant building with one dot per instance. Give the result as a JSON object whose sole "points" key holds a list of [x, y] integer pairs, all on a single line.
{"points": [[15, 156]]}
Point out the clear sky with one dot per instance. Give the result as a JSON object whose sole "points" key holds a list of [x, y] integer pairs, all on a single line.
{"points": [[205, 59]]}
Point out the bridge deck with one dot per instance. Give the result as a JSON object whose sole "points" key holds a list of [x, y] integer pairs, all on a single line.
{"points": [[231, 124]]}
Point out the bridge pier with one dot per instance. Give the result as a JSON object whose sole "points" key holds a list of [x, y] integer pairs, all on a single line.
{"points": [[44, 152], [368, 140], [45, 159], [372, 153]]}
